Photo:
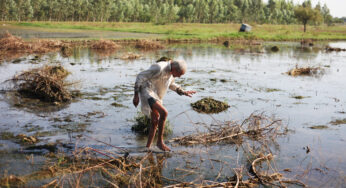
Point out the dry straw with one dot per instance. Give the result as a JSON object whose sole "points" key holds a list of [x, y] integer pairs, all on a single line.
{"points": [[148, 45], [46, 83]]}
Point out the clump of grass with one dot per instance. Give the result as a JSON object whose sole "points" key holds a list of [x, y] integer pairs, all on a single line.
{"points": [[331, 49], [130, 56], [209, 105], [105, 45], [143, 124], [338, 122], [20, 138], [115, 104], [148, 45], [46, 83], [298, 97], [12, 46], [66, 51], [319, 127], [269, 90], [305, 71], [10, 42]]}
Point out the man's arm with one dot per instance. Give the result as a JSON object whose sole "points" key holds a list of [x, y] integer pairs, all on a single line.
{"points": [[175, 87]]}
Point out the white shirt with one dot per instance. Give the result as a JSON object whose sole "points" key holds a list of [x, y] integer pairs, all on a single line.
{"points": [[154, 82]]}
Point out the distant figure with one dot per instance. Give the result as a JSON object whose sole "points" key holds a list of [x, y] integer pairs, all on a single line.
{"points": [[152, 85]]}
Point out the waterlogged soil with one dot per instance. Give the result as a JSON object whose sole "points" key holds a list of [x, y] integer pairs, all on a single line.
{"points": [[249, 79], [46, 33]]}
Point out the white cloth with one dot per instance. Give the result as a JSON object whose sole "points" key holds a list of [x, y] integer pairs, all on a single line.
{"points": [[154, 82]]}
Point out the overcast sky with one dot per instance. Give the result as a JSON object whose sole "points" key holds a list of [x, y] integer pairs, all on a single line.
{"points": [[337, 7]]}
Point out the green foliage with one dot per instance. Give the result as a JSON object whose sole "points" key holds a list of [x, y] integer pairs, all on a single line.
{"points": [[305, 13], [143, 124], [155, 11]]}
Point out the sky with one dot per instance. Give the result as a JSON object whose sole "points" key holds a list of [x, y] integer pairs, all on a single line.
{"points": [[337, 7]]}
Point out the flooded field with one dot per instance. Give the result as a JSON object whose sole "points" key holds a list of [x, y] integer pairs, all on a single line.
{"points": [[47, 33], [250, 79]]}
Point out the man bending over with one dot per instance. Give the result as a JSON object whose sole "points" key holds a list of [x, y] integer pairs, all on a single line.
{"points": [[150, 87]]}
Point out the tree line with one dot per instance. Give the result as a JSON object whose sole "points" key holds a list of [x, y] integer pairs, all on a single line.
{"points": [[158, 11]]}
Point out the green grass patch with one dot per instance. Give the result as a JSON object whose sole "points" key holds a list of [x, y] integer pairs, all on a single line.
{"points": [[202, 31]]}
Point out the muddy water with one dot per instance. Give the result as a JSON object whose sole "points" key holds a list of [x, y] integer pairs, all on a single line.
{"points": [[249, 79]]}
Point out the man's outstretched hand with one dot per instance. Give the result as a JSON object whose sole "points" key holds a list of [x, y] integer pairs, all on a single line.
{"points": [[189, 93], [135, 100]]}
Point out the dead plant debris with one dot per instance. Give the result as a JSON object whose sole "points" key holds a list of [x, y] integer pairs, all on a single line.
{"points": [[338, 122], [254, 127], [46, 83], [319, 127], [331, 49], [8, 42], [107, 168], [105, 45], [20, 138], [305, 71], [209, 105], [149, 45], [131, 56]]}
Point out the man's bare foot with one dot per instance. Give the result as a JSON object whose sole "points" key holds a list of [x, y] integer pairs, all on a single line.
{"points": [[163, 147]]}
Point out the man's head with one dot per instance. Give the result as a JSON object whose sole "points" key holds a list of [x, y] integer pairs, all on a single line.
{"points": [[178, 68]]}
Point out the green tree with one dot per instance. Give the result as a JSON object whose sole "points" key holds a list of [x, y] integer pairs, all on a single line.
{"points": [[327, 18], [304, 13]]}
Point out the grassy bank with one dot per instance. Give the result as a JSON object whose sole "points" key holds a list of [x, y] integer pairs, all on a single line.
{"points": [[182, 31]]}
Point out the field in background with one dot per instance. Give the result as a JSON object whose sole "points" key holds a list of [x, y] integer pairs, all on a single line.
{"points": [[182, 31]]}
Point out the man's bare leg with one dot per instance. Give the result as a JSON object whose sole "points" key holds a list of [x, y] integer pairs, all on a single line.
{"points": [[162, 119], [154, 122]]}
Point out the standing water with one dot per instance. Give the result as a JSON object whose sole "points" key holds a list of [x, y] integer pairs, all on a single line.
{"points": [[250, 79]]}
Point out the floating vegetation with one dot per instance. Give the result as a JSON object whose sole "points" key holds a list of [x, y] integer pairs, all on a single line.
{"points": [[20, 138], [299, 97], [319, 127], [307, 71], [338, 122], [255, 127], [46, 83], [148, 45], [209, 105], [104, 45], [117, 104], [331, 49], [143, 124], [130, 56], [269, 90]]}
